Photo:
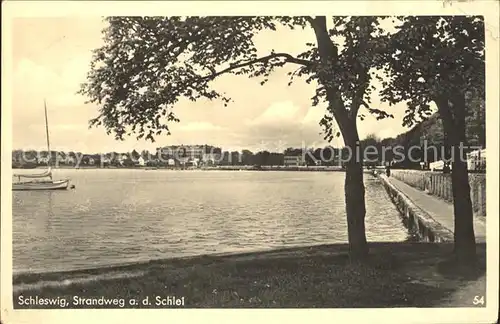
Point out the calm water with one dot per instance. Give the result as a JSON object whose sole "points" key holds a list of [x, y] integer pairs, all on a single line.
{"points": [[120, 216]]}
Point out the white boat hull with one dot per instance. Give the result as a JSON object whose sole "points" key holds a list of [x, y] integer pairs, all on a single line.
{"points": [[41, 185]]}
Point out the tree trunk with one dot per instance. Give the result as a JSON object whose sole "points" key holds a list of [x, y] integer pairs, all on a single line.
{"points": [[454, 126], [354, 187], [355, 201], [465, 242]]}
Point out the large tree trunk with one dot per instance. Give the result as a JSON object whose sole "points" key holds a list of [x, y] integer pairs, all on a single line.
{"points": [[355, 201], [465, 242], [454, 126], [354, 187]]}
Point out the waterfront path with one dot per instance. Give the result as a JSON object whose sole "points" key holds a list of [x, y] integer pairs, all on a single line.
{"points": [[440, 210]]}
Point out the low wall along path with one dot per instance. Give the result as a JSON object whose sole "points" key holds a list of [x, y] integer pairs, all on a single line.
{"points": [[439, 185], [423, 209]]}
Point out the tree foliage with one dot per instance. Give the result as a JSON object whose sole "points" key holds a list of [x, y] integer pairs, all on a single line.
{"points": [[433, 57], [441, 59], [148, 64]]}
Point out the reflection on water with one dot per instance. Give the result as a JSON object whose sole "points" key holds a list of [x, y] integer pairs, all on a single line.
{"points": [[118, 216]]}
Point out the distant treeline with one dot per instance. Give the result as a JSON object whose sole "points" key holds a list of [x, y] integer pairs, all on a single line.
{"points": [[22, 158], [431, 132], [427, 134]]}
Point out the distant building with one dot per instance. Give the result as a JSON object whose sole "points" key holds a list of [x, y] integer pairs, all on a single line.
{"points": [[211, 158], [191, 155], [123, 159], [141, 161], [183, 152], [476, 160], [438, 165], [69, 160], [193, 163], [293, 160], [43, 160]]}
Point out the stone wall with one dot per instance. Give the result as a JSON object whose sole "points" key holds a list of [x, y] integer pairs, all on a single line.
{"points": [[415, 218], [439, 184]]}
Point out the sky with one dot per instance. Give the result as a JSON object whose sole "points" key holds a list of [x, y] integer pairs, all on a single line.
{"points": [[51, 57]]}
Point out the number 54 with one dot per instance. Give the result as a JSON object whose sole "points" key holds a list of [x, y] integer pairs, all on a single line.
{"points": [[478, 300]]}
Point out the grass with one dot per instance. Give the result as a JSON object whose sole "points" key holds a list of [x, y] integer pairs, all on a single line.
{"points": [[396, 275]]}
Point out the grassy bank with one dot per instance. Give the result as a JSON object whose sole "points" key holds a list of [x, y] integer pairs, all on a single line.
{"points": [[397, 275]]}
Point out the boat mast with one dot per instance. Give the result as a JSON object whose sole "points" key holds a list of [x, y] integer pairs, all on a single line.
{"points": [[47, 134]]}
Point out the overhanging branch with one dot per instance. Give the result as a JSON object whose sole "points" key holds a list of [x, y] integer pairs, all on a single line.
{"points": [[288, 58]]}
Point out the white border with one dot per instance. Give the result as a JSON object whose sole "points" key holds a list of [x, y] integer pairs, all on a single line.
{"points": [[490, 9]]}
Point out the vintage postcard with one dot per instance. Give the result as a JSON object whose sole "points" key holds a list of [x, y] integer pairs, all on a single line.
{"points": [[250, 161]]}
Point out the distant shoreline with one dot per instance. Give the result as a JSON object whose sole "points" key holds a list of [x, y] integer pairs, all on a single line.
{"points": [[230, 168], [225, 168]]}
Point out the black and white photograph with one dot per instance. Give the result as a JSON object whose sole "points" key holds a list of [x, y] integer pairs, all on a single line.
{"points": [[180, 156]]}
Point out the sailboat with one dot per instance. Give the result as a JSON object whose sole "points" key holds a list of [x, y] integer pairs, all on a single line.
{"points": [[40, 181]]}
